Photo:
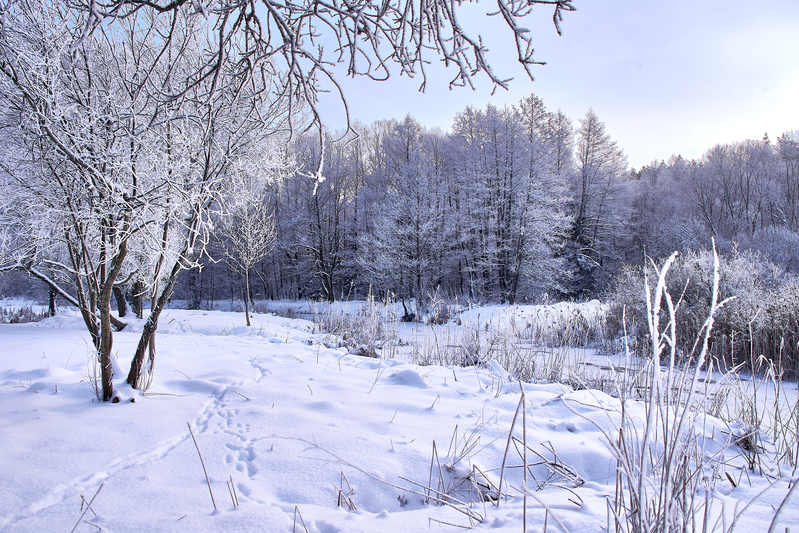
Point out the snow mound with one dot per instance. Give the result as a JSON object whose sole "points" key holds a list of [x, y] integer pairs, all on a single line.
{"points": [[408, 378]]}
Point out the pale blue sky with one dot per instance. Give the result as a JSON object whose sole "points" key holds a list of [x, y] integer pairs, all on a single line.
{"points": [[666, 77]]}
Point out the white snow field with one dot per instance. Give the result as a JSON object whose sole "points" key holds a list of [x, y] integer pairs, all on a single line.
{"points": [[313, 439]]}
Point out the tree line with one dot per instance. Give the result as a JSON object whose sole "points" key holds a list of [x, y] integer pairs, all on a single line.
{"points": [[513, 204]]}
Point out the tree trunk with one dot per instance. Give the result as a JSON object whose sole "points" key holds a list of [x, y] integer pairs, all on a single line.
{"points": [[136, 365], [122, 304], [195, 289], [106, 331], [212, 289], [138, 296], [151, 359], [104, 351], [514, 289], [51, 301], [247, 295], [147, 339], [327, 287]]}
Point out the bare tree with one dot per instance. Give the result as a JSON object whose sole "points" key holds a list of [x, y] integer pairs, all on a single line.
{"points": [[123, 177], [247, 226], [304, 43]]}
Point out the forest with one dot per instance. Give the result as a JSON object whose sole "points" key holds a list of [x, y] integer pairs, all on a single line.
{"points": [[513, 205]]}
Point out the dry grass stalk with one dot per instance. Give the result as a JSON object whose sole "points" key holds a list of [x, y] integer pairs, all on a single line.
{"points": [[88, 506], [297, 514], [524, 457], [487, 484], [782, 506], [443, 499], [85, 502], [558, 470], [202, 462], [507, 447], [344, 495], [234, 497], [431, 520]]}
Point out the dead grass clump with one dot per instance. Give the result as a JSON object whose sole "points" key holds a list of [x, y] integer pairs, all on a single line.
{"points": [[21, 315], [665, 474], [364, 333]]}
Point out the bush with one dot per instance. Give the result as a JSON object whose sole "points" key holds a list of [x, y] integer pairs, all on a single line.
{"points": [[762, 319], [778, 244]]}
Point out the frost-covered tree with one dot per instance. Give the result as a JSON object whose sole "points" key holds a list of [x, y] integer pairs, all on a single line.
{"points": [[600, 163], [660, 221], [560, 135], [322, 213], [246, 227], [733, 188], [409, 236], [122, 176], [74, 164], [219, 128], [511, 185], [544, 217], [788, 148]]}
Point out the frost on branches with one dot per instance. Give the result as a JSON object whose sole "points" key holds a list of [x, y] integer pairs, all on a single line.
{"points": [[121, 153]]}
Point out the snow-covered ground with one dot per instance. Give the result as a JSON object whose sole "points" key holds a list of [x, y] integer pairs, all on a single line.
{"points": [[312, 437]]}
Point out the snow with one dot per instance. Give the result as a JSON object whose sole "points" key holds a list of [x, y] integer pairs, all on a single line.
{"points": [[293, 422]]}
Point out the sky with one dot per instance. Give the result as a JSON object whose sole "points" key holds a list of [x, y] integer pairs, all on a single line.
{"points": [[665, 77]]}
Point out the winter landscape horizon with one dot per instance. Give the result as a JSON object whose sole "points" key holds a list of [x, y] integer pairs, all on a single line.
{"points": [[359, 266]]}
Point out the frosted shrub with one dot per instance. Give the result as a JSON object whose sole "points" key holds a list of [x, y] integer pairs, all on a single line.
{"points": [[762, 318], [778, 244]]}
